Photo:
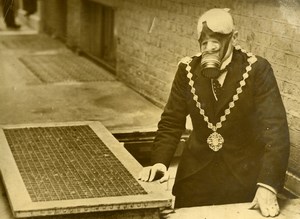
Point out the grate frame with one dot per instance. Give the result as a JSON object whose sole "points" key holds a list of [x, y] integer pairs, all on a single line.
{"points": [[23, 206]]}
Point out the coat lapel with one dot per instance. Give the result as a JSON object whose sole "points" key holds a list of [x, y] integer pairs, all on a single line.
{"points": [[203, 90], [214, 109], [236, 69]]}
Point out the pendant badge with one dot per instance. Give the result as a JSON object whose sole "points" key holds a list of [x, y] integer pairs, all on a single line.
{"points": [[215, 141]]}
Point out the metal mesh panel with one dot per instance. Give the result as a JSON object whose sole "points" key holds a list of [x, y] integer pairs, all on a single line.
{"points": [[68, 162], [64, 67]]}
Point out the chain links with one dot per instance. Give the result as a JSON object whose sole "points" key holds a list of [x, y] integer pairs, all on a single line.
{"points": [[251, 59]]}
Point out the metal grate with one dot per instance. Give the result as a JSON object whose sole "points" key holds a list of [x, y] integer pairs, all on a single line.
{"points": [[68, 162], [64, 67]]}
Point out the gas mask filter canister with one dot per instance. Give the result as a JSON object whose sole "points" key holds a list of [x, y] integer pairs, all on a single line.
{"points": [[211, 63]]}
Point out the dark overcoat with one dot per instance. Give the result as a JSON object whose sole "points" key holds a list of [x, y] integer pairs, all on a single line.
{"points": [[256, 136]]}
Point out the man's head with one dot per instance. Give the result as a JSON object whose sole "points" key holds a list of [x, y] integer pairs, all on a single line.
{"points": [[216, 36]]}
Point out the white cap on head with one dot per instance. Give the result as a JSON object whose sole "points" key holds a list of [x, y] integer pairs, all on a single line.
{"points": [[218, 20]]}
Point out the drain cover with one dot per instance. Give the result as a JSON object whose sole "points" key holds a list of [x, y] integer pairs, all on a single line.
{"points": [[71, 168], [68, 162], [64, 67]]}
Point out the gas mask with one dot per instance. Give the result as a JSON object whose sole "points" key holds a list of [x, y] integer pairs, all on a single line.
{"points": [[214, 47]]}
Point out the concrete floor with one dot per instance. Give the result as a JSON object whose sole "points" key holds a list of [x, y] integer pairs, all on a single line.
{"points": [[25, 98]]}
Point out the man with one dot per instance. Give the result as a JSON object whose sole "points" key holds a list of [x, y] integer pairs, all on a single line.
{"points": [[239, 147], [9, 14]]}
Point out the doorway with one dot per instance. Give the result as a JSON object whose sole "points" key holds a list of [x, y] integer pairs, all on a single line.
{"points": [[98, 38]]}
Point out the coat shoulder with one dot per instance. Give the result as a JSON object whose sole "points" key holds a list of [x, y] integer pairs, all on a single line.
{"points": [[189, 59]]}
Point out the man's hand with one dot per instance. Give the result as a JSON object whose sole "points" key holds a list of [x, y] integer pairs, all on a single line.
{"points": [[157, 171], [266, 201]]}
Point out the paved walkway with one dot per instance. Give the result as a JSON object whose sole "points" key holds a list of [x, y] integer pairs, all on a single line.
{"points": [[42, 81]]}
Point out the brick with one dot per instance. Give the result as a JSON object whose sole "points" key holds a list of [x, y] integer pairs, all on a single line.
{"points": [[291, 88], [294, 122], [294, 158], [244, 8], [297, 34], [281, 43], [290, 11], [264, 39], [242, 34], [295, 150], [283, 29], [267, 10], [276, 56], [295, 48], [286, 74], [261, 24], [293, 61], [291, 104], [258, 49]]}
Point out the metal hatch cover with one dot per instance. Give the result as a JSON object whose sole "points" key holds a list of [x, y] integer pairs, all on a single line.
{"points": [[72, 167]]}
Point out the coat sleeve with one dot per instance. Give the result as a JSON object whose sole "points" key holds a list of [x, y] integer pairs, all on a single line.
{"points": [[272, 122], [173, 119]]}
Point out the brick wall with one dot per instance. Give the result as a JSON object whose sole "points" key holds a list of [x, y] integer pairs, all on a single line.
{"points": [[153, 36]]}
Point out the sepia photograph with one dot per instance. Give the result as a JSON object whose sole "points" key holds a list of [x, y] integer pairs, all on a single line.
{"points": [[149, 109]]}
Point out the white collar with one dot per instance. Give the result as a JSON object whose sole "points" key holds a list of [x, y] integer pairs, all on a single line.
{"points": [[226, 62], [222, 77]]}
